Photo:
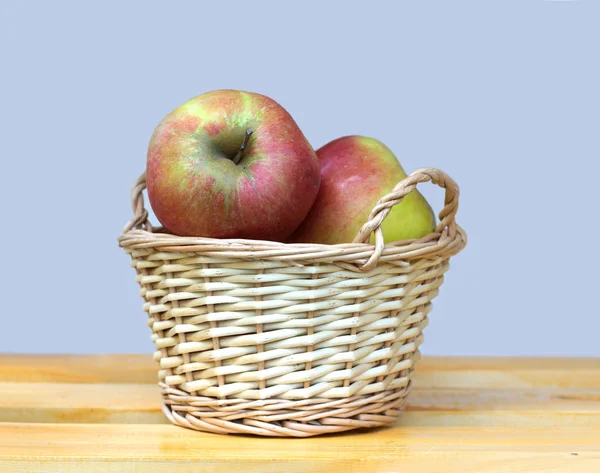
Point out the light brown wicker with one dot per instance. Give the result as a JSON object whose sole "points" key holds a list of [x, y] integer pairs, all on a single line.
{"points": [[282, 339]]}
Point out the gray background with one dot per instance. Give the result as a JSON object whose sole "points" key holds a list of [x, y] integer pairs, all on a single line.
{"points": [[503, 96]]}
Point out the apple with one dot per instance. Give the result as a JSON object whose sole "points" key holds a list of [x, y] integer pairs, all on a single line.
{"points": [[231, 164], [356, 171]]}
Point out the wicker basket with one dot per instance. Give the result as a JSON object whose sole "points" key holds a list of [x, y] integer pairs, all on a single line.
{"points": [[296, 340]]}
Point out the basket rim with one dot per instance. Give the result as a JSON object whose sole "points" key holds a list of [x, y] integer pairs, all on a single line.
{"points": [[430, 246]]}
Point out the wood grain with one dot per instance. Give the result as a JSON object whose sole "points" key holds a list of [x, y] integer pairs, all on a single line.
{"points": [[102, 414], [78, 368], [80, 403], [162, 448]]}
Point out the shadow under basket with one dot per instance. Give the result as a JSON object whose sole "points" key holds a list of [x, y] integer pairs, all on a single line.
{"points": [[289, 340]]}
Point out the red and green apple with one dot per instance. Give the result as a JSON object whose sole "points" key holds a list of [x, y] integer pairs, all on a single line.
{"points": [[356, 171], [231, 164]]}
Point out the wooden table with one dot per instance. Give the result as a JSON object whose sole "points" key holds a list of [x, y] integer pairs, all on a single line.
{"points": [[102, 414]]}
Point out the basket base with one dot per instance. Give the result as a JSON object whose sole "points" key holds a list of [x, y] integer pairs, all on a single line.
{"points": [[280, 417]]}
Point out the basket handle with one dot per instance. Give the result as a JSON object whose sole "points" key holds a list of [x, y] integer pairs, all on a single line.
{"points": [[140, 214], [402, 189]]}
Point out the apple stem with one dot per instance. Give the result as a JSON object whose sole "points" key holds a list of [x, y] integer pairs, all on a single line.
{"points": [[238, 157]]}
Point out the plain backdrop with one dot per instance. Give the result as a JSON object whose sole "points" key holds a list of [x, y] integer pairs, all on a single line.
{"points": [[503, 96]]}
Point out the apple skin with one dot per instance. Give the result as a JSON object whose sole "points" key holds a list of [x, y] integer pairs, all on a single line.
{"points": [[356, 171], [195, 188]]}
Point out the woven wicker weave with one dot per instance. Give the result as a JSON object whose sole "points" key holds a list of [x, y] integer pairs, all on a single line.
{"points": [[295, 340]]}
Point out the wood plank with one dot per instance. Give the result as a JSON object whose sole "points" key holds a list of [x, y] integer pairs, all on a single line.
{"points": [[80, 403], [140, 403], [78, 368], [508, 372], [162, 448], [432, 371]]}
